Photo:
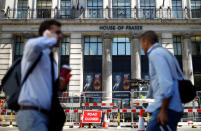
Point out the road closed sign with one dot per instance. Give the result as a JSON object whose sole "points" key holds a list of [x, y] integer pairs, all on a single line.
{"points": [[92, 116]]}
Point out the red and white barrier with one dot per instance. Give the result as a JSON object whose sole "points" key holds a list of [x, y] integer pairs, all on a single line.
{"points": [[192, 110], [112, 110], [99, 104]]}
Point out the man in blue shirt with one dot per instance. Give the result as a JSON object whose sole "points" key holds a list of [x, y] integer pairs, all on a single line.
{"points": [[167, 108], [36, 95]]}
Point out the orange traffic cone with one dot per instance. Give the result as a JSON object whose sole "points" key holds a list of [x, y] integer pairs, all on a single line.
{"points": [[141, 122], [81, 119], [105, 122]]}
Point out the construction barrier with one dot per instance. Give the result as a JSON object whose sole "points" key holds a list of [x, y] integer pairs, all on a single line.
{"points": [[118, 115]]}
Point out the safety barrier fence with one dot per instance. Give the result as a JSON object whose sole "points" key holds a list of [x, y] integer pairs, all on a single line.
{"points": [[117, 117], [119, 113]]}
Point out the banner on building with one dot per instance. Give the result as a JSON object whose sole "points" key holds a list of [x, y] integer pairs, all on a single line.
{"points": [[93, 83], [92, 116], [121, 85]]}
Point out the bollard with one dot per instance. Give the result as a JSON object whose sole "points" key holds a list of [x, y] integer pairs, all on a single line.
{"points": [[11, 118], [118, 118], [81, 120], [105, 122], [141, 126]]}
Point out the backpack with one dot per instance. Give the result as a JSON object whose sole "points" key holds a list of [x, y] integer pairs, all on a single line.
{"points": [[11, 82]]}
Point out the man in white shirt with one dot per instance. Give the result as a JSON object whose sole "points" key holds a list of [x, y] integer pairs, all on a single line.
{"points": [[36, 94]]}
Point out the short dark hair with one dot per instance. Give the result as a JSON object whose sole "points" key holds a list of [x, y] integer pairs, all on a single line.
{"points": [[46, 25], [150, 36]]}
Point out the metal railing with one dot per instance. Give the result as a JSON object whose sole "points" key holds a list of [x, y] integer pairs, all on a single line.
{"points": [[107, 13]]}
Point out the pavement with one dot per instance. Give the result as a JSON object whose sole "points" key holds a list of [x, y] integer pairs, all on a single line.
{"points": [[109, 129]]}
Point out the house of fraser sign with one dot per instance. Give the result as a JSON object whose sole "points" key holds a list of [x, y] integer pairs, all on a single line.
{"points": [[120, 27]]}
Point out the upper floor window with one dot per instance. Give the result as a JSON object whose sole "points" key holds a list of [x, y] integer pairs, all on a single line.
{"points": [[44, 8], [95, 8], [121, 8], [121, 45], [92, 45], [147, 9], [65, 8], [177, 8], [22, 9], [65, 46], [177, 45], [196, 45], [196, 8], [19, 46]]}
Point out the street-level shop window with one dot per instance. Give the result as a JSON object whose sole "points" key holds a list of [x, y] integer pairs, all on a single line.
{"points": [[177, 8], [44, 8], [18, 47], [65, 8], [95, 8], [177, 45], [147, 9], [196, 8], [22, 9], [92, 45], [196, 45], [121, 45], [121, 8]]}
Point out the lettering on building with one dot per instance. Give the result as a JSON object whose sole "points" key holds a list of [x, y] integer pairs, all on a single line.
{"points": [[127, 27]]}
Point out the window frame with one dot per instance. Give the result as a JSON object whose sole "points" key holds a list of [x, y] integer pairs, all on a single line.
{"points": [[196, 44], [97, 43], [65, 11], [119, 8], [44, 11], [125, 45], [18, 47], [22, 8], [177, 11], [177, 41], [148, 9], [195, 12], [95, 8], [66, 42]]}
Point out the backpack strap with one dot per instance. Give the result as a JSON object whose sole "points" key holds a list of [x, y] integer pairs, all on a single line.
{"points": [[180, 75], [30, 70]]}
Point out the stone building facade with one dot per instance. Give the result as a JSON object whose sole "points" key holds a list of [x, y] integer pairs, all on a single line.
{"points": [[101, 37]]}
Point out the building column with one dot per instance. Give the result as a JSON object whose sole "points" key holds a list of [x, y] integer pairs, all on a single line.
{"points": [[167, 41], [187, 58], [6, 53], [138, 11], [34, 9], [76, 63], [104, 9], [132, 8], [110, 8], [107, 67], [135, 56]]}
